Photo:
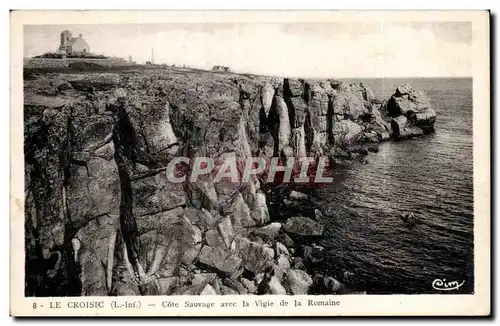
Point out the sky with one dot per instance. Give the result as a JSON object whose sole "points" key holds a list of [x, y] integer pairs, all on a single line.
{"points": [[353, 49]]}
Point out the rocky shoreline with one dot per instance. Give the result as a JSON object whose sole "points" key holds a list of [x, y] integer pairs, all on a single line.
{"points": [[102, 218]]}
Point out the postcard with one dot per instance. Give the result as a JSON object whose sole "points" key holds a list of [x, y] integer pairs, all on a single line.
{"points": [[250, 163]]}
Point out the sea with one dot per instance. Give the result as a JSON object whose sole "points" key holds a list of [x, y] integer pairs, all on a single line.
{"points": [[367, 244]]}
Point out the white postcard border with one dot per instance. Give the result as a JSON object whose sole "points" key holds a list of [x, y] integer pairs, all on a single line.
{"points": [[349, 305]]}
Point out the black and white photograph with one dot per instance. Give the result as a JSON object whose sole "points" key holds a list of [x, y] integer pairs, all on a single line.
{"points": [[238, 158]]}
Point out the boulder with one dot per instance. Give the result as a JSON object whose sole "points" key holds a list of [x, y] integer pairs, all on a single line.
{"points": [[260, 212], [384, 135], [255, 257], [269, 232], [235, 285], [407, 101], [341, 153], [415, 106], [241, 216], [312, 255], [204, 219], [226, 290], [410, 132], [298, 281], [303, 226], [425, 117], [403, 90], [398, 124], [286, 240], [203, 278], [282, 266], [269, 251], [274, 286], [187, 289], [168, 285], [208, 290], [425, 120], [358, 150], [327, 284], [401, 129], [371, 137], [297, 195], [217, 284], [249, 285]]}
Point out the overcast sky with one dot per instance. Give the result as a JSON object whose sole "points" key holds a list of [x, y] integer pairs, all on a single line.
{"points": [[288, 49]]}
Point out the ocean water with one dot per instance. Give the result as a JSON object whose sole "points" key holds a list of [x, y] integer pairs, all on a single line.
{"points": [[367, 244]]}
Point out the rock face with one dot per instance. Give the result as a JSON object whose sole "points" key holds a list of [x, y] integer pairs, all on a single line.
{"points": [[298, 281], [103, 218], [411, 111], [327, 284], [269, 232]]}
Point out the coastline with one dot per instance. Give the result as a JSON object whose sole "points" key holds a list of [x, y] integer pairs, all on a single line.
{"points": [[130, 125]]}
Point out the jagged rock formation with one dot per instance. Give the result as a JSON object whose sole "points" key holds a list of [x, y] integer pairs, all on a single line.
{"points": [[102, 217], [411, 111]]}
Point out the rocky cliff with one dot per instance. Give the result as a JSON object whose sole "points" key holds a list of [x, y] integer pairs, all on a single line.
{"points": [[102, 218]]}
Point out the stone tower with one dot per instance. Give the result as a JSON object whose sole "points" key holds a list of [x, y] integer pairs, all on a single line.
{"points": [[73, 45], [66, 36]]}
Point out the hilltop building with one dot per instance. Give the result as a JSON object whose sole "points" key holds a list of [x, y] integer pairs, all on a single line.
{"points": [[73, 45], [221, 68]]}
